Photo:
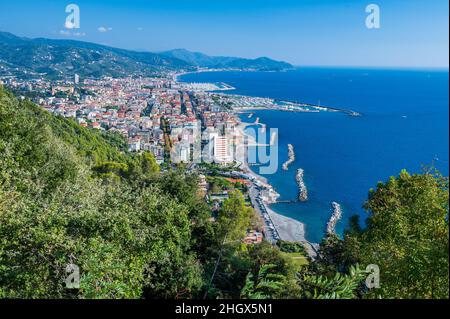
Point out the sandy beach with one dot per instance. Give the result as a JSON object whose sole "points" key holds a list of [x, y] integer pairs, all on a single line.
{"points": [[288, 229], [285, 228]]}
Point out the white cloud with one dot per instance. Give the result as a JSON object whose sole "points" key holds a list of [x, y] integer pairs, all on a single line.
{"points": [[104, 29]]}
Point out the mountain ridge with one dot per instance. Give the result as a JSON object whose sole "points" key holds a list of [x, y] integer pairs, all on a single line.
{"points": [[63, 58], [203, 60]]}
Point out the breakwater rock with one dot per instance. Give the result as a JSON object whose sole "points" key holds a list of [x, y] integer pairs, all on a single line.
{"points": [[303, 191], [337, 215], [291, 155]]}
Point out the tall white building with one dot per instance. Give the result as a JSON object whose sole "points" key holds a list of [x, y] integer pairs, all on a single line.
{"points": [[220, 149]]}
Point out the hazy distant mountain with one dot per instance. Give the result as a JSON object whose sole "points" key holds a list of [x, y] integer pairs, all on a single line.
{"points": [[64, 58], [206, 61]]}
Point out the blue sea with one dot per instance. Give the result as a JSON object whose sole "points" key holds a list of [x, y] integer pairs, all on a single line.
{"points": [[405, 125]]}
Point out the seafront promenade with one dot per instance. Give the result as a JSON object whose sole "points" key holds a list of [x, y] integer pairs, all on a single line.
{"points": [[262, 195]]}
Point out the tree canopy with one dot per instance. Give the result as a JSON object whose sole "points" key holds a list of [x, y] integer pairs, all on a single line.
{"points": [[75, 196]]}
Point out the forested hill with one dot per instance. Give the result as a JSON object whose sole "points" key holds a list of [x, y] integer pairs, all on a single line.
{"points": [[64, 58], [71, 196], [57, 59], [222, 62]]}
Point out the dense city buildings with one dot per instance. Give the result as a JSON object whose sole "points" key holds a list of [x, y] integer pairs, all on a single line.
{"points": [[157, 115]]}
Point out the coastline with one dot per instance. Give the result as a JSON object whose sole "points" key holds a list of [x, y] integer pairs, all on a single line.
{"points": [[176, 76], [285, 228], [317, 210], [278, 104]]}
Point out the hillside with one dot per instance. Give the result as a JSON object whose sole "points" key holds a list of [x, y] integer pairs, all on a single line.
{"points": [[73, 196], [64, 58], [220, 62], [58, 59]]}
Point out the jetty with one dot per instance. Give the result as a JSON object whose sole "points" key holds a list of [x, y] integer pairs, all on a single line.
{"points": [[291, 155], [320, 107], [337, 215], [303, 191]]}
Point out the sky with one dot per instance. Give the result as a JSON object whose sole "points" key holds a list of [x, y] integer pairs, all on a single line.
{"points": [[412, 33]]}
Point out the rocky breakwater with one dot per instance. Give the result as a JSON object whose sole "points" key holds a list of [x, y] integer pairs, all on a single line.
{"points": [[303, 191], [337, 215], [291, 155]]}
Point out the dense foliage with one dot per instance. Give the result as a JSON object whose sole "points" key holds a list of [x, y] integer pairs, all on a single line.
{"points": [[65, 58], [74, 196], [406, 236], [129, 236]]}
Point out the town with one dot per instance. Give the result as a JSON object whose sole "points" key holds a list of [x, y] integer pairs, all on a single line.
{"points": [[158, 114], [179, 123]]}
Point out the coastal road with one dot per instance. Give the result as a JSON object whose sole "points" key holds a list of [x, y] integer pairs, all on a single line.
{"points": [[284, 228], [254, 193]]}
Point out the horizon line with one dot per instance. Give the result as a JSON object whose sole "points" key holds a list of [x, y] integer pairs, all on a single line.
{"points": [[296, 66]]}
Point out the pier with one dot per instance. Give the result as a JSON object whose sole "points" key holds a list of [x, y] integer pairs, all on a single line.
{"points": [[322, 107]]}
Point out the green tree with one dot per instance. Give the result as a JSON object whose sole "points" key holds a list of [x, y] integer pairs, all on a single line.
{"points": [[130, 239], [234, 216], [407, 236]]}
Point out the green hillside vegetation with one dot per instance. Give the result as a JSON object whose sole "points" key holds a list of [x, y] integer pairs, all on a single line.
{"points": [[206, 61], [407, 237], [71, 195], [58, 59], [64, 58], [53, 212]]}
